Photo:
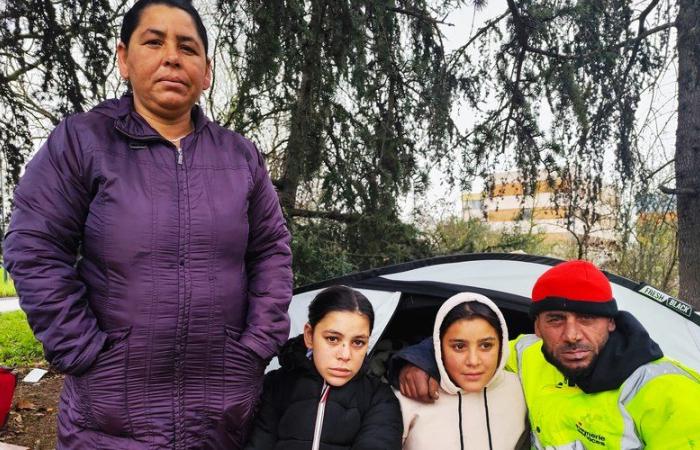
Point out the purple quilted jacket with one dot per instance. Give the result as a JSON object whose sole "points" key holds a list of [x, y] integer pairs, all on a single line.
{"points": [[158, 282]]}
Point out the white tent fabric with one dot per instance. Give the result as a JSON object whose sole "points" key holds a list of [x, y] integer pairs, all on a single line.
{"points": [[678, 337], [514, 277]]}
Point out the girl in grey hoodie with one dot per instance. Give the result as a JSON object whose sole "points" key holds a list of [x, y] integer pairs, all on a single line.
{"points": [[480, 405]]}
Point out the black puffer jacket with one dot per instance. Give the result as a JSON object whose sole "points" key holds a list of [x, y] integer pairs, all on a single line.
{"points": [[363, 414]]}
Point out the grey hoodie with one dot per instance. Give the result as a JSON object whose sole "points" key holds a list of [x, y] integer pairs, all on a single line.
{"points": [[494, 418]]}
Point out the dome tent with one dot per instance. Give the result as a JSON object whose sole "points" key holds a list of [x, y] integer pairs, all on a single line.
{"points": [[406, 298]]}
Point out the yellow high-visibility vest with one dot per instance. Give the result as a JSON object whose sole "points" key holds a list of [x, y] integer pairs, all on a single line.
{"points": [[656, 407]]}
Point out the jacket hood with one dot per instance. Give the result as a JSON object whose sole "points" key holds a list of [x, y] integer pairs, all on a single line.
{"points": [[293, 355], [131, 123], [445, 382]]}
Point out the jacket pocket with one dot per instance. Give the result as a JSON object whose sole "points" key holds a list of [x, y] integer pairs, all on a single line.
{"points": [[103, 388], [243, 375]]}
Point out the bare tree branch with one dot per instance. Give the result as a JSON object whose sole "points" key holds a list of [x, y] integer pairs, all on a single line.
{"points": [[679, 191]]}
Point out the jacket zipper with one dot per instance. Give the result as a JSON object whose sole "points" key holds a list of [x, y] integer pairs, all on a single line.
{"points": [[178, 150], [320, 412], [183, 319]]}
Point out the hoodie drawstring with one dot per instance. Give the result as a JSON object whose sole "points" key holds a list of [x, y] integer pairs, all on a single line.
{"points": [[461, 433], [488, 422]]}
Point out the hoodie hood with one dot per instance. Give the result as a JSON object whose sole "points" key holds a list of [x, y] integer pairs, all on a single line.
{"points": [[445, 382]]}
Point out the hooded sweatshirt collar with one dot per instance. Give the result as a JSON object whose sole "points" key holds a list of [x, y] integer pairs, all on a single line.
{"points": [[130, 123], [445, 382], [627, 348]]}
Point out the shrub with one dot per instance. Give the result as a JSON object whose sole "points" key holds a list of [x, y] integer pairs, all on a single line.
{"points": [[7, 287]]}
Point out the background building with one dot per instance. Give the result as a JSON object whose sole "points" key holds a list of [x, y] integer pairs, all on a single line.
{"points": [[509, 206]]}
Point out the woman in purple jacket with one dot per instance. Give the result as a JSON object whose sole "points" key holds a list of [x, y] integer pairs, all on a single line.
{"points": [[151, 256]]}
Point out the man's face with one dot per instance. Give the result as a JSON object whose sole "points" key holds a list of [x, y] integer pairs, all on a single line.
{"points": [[573, 340]]}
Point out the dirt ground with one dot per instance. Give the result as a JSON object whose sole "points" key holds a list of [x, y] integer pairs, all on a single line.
{"points": [[32, 421]]}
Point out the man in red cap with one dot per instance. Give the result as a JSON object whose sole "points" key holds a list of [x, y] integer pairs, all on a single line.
{"points": [[591, 375]]}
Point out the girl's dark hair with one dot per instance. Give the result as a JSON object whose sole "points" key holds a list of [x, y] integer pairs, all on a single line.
{"points": [[339, 298], [133, 16], [473, 310]]}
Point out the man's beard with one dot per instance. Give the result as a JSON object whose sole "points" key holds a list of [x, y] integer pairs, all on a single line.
{"points": [[573, 375]]}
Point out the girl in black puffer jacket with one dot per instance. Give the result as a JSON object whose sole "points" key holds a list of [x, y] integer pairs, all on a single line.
{"points": [[321, 398]]}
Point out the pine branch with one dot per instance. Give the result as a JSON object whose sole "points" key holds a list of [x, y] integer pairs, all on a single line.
{"points": [[332, 215], [490, 24], [420, 16], [635, 40]]}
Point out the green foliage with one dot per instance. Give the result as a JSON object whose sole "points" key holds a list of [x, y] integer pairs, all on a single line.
{"points": [[7, 287], [18, 347], [318, 253], [475, 236], [363, 92], [522, 241], [460, 236], [44, 76], [380, 240], [327, 249], [585, 65], [362, 86], [649, 253]]}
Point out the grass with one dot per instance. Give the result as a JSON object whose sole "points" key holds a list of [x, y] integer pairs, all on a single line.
{"points": [[7, 287], [18, 347]]}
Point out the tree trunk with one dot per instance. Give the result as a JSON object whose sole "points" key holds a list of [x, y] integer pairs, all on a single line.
{"points": [[688, 150], [301, 143]]}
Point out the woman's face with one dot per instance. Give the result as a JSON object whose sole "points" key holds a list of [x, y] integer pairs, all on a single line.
{"points": [[165, 63], [339, 343], [470, 350]]}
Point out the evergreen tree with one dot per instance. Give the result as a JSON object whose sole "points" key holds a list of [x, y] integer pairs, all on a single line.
{"points": [[586, 63]]}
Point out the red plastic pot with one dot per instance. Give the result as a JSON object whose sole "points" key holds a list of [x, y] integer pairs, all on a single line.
{"points": [[8, 381]]}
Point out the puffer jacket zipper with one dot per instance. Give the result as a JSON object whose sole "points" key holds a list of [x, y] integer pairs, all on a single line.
{"points": [[183, 297], [183, 313], [320, 412]]}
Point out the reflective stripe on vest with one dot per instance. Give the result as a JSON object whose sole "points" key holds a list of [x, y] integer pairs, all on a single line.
{"points": [[520, 346], [632, 385], [572, 446]]}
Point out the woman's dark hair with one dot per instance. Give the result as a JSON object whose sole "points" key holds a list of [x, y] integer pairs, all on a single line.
{"points": [[133, 16], [473, 310], [339, 298]]}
